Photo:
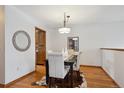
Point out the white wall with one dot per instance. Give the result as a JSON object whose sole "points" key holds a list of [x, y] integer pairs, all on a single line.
{"points": [[91, 38], [113, 64], [18, 63], [119, 68], [113, 34], [2, 49], [89, 43]]}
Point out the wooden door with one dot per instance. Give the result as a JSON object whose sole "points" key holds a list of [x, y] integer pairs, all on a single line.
{"points": [[40, 46]]}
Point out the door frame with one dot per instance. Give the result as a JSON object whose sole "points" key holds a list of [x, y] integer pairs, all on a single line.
{"points": [[37, 28]]}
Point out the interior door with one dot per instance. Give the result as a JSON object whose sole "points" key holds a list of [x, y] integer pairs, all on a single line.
{"points": [[40, 46]]}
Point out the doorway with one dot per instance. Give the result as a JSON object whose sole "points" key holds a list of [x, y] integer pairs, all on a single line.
{"points": [[40, 46], [73, 43]]}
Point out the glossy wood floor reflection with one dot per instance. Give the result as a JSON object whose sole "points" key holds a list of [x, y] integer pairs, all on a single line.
{"points": [[96, 78]]}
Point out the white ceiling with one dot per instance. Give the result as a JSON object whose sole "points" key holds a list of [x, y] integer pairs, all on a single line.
{"points": [[52, 15]]}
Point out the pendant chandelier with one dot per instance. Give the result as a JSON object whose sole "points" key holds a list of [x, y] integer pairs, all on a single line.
{"points": [[65, 29]]}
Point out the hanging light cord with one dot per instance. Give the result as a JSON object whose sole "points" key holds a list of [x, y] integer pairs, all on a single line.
{"points": [[66, 20]]}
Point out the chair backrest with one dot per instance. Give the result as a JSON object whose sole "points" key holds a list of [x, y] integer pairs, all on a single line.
{"points": [[70, 51], [56, 64], [49, 51], [65, 52]]}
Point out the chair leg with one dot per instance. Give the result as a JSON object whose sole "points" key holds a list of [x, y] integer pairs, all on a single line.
{"points": [[68, 80], [63, 84], [78, 75], [49, 82], [53, 82]]}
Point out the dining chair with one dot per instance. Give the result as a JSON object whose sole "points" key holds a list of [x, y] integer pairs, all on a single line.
{"points": [[56, 67], [76, 66], [65, 52]]}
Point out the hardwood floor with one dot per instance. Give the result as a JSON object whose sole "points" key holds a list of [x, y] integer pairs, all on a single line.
{"points": [[26, 82], [96, 78]]}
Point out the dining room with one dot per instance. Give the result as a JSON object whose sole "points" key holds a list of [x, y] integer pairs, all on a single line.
{"points": [[62, 46]]}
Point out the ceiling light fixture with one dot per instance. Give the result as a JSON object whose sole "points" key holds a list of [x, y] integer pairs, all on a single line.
{"points": [[65, 29]]}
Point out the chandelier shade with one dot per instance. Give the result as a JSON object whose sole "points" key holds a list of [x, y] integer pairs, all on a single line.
{"points": [[64, 30]]}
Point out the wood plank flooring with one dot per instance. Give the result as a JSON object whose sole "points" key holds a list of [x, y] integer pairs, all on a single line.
{"points": [[96, 78], [26, 82]]}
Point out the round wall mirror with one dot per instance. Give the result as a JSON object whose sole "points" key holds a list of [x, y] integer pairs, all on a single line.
{"points": [[21, 40]]}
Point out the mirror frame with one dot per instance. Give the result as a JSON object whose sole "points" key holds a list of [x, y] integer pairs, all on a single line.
{"points": [[15, 43]]}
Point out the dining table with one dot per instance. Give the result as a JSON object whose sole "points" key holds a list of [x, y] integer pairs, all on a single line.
{"points": [[69, 61]]}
